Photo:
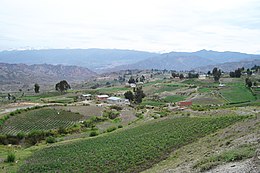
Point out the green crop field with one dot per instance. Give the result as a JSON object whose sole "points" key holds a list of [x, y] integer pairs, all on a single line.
{"points": [[37, 97], [58, 100], [39, 119], [131, 150], [237, 93], [175, 98], [168, 88]]}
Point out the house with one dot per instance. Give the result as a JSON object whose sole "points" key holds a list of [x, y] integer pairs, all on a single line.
{"points": [[102, 97], [117, 100], [132, 85], [184, 103], [202, 76], [85, 97]]}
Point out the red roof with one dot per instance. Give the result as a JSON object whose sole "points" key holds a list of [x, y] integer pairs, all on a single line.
{"points": [[185, 103]]}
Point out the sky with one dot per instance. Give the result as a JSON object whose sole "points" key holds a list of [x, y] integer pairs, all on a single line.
{"points": [[148, 25]]}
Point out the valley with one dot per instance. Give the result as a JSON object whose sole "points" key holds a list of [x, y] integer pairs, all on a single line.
{"points": [[190, 124]]}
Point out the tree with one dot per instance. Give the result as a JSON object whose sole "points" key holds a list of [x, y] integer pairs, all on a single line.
{"points": [[139, 95], [216, 74], [142, 78], [181, 76], [209, 73], [248, 82], [174, 75], [129, 95], [238, 73], [62, 86], [131, 80], [36, 88]]}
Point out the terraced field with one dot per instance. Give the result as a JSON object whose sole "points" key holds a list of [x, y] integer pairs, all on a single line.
{"points": [[237, 93], [39, 119], [131, 150]]}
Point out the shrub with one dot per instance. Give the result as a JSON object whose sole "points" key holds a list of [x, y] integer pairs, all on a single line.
{"points": [[118, 108], [139, 115], [10, 157], [50, 140], [120, 126], [110, 129], [21, 135], [62, 130], [93, 133]]}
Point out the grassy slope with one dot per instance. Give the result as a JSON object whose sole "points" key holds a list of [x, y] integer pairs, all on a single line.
{"points": [[130, 150]]}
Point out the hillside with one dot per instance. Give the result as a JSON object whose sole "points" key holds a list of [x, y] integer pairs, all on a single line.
{"points": [[41, 73], [188, 60], [94, 59], [230, 66]]}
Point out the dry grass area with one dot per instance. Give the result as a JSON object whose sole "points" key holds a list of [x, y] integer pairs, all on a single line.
{"points": [[86, 111]]}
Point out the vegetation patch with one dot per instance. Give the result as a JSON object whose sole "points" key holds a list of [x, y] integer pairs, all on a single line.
{"points": [[131, 150], [39, 119], [153, 103], [237, 93], [240, 153], [175, 98]]}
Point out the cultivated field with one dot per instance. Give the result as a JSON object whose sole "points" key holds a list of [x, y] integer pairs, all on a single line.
{"points": [[130, 150], [39, 119]]}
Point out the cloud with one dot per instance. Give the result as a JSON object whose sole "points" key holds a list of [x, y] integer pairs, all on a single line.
{"points": [[153, 25]]}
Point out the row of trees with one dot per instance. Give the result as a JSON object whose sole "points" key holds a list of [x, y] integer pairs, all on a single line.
{"points": [[136, 96], [132, 80], [61, 86]]}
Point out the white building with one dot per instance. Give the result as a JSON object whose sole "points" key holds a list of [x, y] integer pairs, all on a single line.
{"points": [[86, 96], [202, 76], [117, 100]]}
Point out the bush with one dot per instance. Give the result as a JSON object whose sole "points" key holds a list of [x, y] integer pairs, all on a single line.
{"points": [[93, 133], [21, 135], [118, 108], [111, 129], [111, 114], [10, 157], [120, 126], [139, 115], [62, 130], [50, 140]]}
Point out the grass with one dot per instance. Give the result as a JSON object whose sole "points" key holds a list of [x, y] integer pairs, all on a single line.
{"points": [[39, 119], [37, 97], [58, 100], [175, 98], [240, 153], [131, 150], [111, 89], [152, 103], [237, 93]]}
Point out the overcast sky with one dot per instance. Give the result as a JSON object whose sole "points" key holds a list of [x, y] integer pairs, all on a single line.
{"points": [[150, 25]]}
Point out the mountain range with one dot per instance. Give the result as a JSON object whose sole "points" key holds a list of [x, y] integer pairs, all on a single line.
{"points": [[41, 73], [94, 59], [189, 60], [108, 60]]}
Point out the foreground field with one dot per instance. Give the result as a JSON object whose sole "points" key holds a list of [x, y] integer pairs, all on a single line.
{"points": [[129, 150], [39, 119]]}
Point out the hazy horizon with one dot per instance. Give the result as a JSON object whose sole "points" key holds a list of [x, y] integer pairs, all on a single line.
{"points": [[154, 26]]}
